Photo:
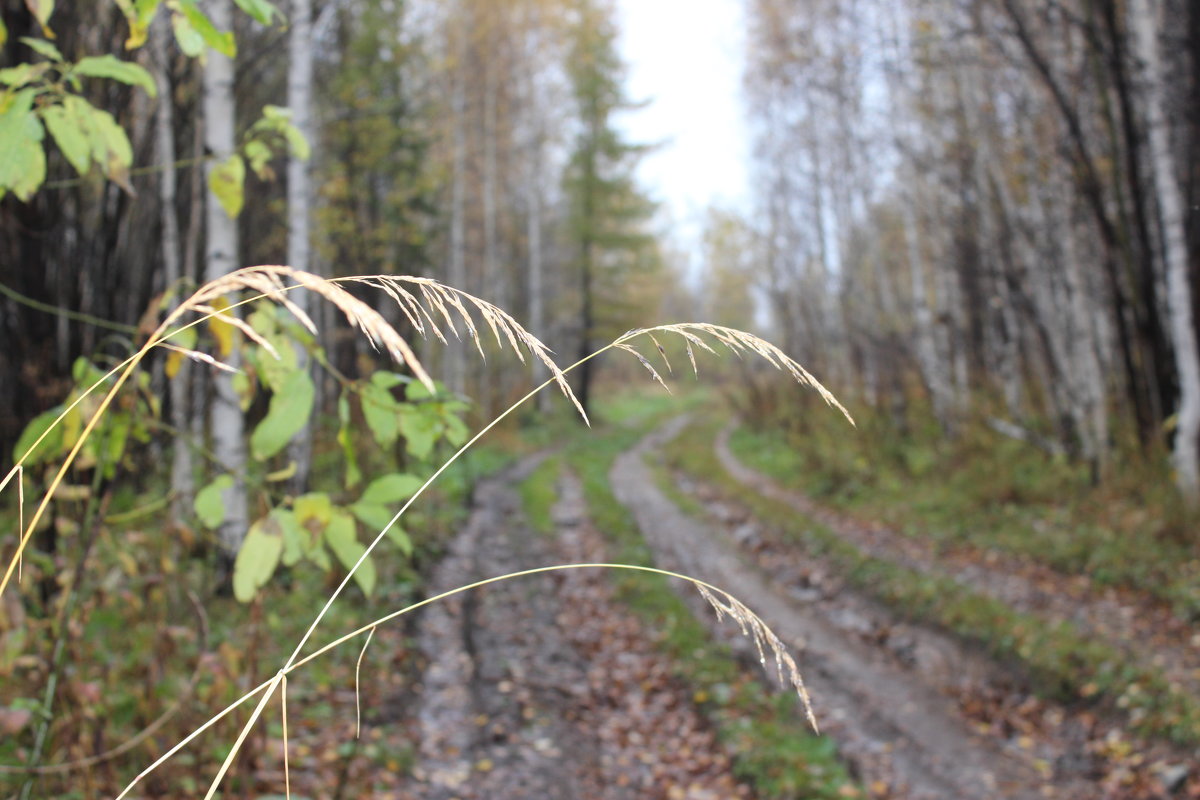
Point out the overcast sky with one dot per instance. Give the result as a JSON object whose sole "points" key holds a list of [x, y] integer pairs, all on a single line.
{"points": [[685, 58]]}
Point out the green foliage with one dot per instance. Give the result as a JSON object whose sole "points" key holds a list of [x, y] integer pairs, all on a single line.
{"points": [[291, 407], [129, 417], [22, 162], [617, 259], [226, 183], [209, 503], [321, 527], [378, 199], [46, 95], [258, 557], [1036, 506]]}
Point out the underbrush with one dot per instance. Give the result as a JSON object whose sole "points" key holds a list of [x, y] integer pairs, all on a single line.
{"points": [[987, 491], [1057, 660], [773, 749], [193, 648]]}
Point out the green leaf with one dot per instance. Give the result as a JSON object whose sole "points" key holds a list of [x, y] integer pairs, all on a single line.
{"points": [[391, 489], [243, 389], [109, 66], [420, 429], [50, 447], [138, 15], [416, 391], [226, 182], [23, 74], [293, 535], [257, 559], [345, 545], [110, 145], [259, 155], [401, 540], [312, 512], [42, 47], [210, 502], [223, 43], [345, 438], [288, 413], [381, 412], [261, 10], [297, 145], [117, 429], [456, 430], [41, 10], [375, 517], [22, 161], [387, 380], [71, 132], [189, 39], [3, 33]]}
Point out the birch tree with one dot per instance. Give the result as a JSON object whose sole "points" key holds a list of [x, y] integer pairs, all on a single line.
{"points": [[226, 424], [299, 195], [1143, 19]]}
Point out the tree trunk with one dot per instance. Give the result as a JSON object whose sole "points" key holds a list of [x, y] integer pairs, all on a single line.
{"points": [[1143, 20], [299, 200], [179, 388], [220, 257]]}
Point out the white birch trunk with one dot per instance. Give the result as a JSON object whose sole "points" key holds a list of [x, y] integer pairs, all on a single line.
{"points": [[220, 257], [299, 199], [1143, 20]]}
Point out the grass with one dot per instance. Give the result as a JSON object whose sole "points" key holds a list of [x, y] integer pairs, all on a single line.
{"points": [[539, 492], [773, 749], [987, 491], [1057, 660]]}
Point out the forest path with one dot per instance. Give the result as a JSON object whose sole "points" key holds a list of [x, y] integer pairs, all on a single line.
{"points": [[894, 718], [1144, 629], [544, 686]]}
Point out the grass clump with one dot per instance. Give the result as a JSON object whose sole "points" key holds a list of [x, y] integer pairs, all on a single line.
{"points": [[539, 492], [1057, 659], [956, 493]]}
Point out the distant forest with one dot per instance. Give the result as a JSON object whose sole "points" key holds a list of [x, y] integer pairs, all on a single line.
{"points": [[983, 207]]}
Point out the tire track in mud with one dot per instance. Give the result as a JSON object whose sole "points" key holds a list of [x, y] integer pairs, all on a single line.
{"points": [[544, 686], [894, 724]]}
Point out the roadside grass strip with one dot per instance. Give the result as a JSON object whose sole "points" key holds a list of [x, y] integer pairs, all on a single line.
{"points": [[1058, 660]]}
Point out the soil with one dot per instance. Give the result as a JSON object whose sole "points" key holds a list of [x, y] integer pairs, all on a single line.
{"points": [[544, 686]]}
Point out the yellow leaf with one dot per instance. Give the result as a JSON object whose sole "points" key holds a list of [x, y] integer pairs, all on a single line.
{"points": [[174, 362], [222, 331]]}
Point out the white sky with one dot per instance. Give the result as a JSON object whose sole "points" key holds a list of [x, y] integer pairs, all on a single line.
{"points": [[685, 57]]}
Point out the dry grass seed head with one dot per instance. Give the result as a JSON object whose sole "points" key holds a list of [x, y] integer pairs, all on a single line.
{"points": [[423, 301], [737, 342], [764, 639]]}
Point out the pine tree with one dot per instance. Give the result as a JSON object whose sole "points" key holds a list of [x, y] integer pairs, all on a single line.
{"points": [[606, 225]]}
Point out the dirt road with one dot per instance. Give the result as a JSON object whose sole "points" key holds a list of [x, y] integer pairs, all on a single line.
{"points": [[895, 722]]}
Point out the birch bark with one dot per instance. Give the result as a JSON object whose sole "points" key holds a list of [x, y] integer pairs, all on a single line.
{"points": [[299, 199], [1143, 21], [226, 425]]}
